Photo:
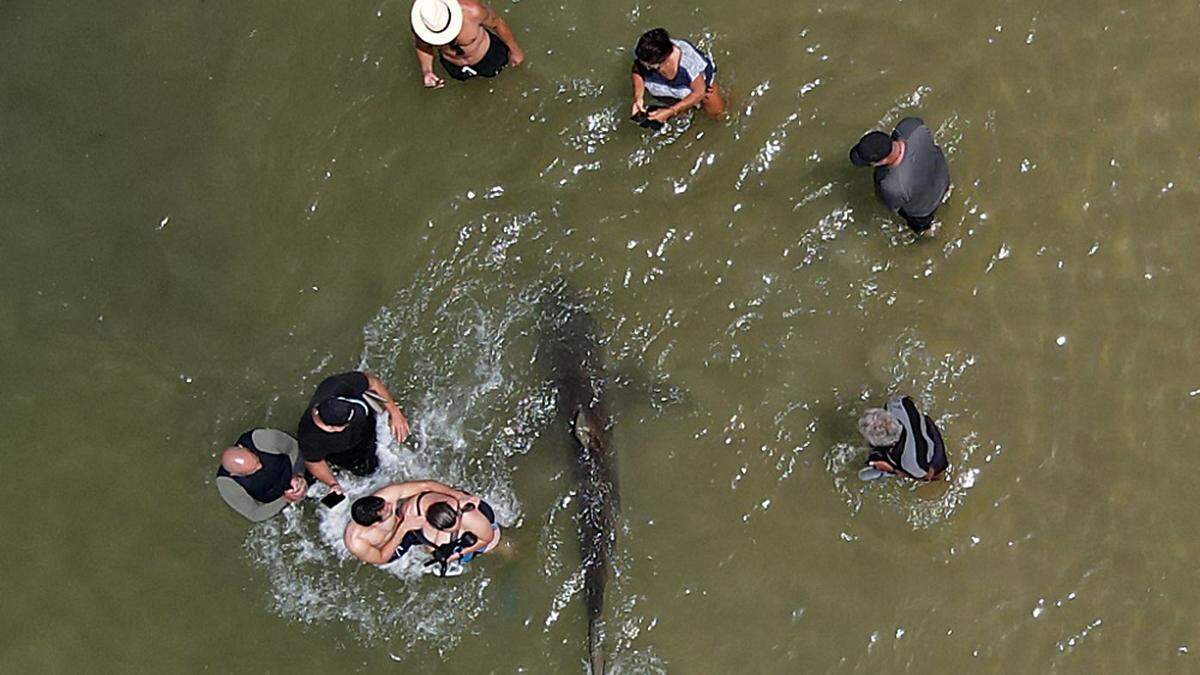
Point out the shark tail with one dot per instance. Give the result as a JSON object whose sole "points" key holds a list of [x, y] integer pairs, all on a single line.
{"points": [[596, 647]]}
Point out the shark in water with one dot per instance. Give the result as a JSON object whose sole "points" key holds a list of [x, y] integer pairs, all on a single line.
{"points": [[571, 349]]}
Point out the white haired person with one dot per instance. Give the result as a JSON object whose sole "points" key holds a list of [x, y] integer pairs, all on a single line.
{"points": [[903, 441]]}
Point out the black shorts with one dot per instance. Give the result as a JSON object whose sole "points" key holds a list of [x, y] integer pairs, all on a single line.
{"points": [[489, 66], [918, 223]]}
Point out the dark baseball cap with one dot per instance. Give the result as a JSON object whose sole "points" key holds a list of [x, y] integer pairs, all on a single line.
{"points": [[871, 148], [335, 411]]}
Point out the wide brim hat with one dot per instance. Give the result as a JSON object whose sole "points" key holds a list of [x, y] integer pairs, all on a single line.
{"points": [[437, 22]]}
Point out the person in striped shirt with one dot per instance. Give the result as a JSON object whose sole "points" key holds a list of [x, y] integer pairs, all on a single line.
{"points": [[903, 441], [678, 73]]}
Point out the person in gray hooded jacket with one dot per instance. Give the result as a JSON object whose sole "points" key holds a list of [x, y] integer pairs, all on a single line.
{"points": [[261, 474]]}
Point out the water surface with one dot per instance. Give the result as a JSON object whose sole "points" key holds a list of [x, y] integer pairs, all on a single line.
{"points": [[207, 207]]}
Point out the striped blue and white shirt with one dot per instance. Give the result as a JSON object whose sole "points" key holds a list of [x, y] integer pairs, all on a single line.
{"points": [[692, 64]]}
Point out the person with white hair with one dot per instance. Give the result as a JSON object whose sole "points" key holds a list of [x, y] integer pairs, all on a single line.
{"points": [[469, 38], [903, 441]]}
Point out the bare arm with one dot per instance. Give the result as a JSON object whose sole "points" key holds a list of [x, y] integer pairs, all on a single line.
{"points": [[639, 92], [375, 555], [413, 488], [396, 419], [425, 54], [489, 19], [699, 88], [487, 538], [320, 471]]}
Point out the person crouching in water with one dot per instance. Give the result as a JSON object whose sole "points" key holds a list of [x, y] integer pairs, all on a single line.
{"points": [[903, 441], [674, 70], [424, 513]]}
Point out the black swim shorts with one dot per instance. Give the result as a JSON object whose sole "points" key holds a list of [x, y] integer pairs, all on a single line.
{"points": [[489, 66], [918, 223]]}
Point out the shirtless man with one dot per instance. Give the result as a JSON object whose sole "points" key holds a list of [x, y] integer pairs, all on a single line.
{"points": [[469, 37], [386, 524]]}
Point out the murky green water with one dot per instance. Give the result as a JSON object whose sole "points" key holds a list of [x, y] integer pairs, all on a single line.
{"points": [[208, 206]]}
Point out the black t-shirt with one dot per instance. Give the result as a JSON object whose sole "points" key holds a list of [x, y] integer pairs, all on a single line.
{"points": [[315, 443], [268, 483]]}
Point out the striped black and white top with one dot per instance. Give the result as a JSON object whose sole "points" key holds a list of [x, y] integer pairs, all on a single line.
{"points": [[920, 451]]}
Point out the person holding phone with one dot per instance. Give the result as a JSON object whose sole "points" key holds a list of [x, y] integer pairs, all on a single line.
{"points": [[676, 72], [338, 427], [261, 474]]}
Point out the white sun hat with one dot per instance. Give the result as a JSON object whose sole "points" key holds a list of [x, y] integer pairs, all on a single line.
{"points": [[437, 22]]}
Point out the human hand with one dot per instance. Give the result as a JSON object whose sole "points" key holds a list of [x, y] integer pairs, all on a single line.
{"points": [[398, 423], [639, 106], [661, 115], [516, 57], [296, 492], [337, 487], [882, 466], [432, 81]]}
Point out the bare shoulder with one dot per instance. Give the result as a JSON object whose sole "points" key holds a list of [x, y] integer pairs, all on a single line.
{"points": [[350, 537], [474, 10], [477, 523], [392, 491]]}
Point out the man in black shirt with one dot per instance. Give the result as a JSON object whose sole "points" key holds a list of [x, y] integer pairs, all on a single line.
{"points": [[911, 175], [339, 426], [261, 474]]}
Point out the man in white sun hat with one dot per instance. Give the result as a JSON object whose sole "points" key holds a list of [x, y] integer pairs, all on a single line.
{"points": [[469, 38]]}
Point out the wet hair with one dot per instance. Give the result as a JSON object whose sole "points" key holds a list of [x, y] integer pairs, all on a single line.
{"points": [[441, 515], [654, 46], [365, 510], [880, 428]]}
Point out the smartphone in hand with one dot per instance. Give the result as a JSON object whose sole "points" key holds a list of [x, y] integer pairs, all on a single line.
{"points": [[332, 499]]}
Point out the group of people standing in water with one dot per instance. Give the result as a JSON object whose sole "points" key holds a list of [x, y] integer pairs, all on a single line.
{"points": [[267, 469], [471, 40]]}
